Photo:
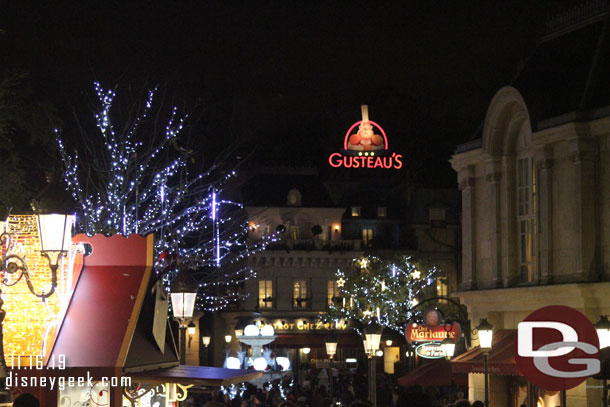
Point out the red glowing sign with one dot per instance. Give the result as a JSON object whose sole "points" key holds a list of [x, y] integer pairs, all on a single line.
{"points": [[366, 148]]}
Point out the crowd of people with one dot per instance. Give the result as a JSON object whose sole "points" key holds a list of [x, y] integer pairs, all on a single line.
{"points": [[348, 390]]}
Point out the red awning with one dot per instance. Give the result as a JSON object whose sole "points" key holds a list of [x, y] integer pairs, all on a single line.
{"points": [[433, 373], [501, 357]]}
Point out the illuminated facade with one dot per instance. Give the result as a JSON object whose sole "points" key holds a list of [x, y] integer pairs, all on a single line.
{"points": [[29, 320]]}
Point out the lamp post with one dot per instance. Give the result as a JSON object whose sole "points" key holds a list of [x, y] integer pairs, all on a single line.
{"points": [[372, 335], [55, 232], [183, 293], [448, 348], [603, 332], [485, 338], [205, 339], [331, 350]]}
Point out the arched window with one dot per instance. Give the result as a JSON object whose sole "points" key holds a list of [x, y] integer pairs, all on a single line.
{"points": [[527, 227]]}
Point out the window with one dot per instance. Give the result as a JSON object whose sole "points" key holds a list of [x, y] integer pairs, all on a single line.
{"points": [[333, 290], [355, 211], [441, 287], [299, 293], [265, 293], [382, 212], [437, 214], [367, 234], [526, 212]]}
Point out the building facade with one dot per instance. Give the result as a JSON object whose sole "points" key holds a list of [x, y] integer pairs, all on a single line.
{"points": [[535, 198], [296, 276]]}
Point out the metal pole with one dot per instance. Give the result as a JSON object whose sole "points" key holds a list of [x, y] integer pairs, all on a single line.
{"points": [[372, 384], [604, 393], [330, 379], [182, 332], [485, 356]]}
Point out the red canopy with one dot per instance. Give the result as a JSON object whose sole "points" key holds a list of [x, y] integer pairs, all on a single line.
{"points": [[501, 359], [433, 373]]}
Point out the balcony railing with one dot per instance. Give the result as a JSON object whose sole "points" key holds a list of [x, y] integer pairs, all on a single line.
{"points": [[316, 244]]}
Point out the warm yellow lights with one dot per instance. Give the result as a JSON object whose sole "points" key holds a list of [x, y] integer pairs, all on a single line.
{"points": [[27, 317], [340, 282], [416, 274]]}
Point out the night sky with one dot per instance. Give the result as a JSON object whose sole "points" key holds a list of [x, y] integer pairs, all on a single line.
{"points": [[282, 81]]}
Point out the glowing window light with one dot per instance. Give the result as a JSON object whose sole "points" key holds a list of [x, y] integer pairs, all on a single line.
{"points": [[27, 318]]}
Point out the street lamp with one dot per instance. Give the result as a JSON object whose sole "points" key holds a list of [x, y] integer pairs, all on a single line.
{"points": [[448, 348], [228, 339], [372, 335], [239, 329], [485, 339], [191, 331], [183, 293], [52, 207], [331, 350], [603, 331]]}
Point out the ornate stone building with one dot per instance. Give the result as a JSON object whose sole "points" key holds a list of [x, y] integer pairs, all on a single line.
{"points": [[535, 190]]}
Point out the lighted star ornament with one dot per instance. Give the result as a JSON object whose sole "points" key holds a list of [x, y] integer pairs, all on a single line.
{"points": [[383, 289]]}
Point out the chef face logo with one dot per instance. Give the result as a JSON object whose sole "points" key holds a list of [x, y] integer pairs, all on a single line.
{"points": [[365, 146], [557, 348]]}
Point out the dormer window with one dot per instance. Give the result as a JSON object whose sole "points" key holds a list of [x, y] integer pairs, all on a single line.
{"points": [[294, 198], [382, 212], [355, 211]]}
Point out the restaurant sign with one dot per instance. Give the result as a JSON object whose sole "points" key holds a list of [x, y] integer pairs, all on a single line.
{"points": [[304, 325], [426, 333], [430, 350], [365, 148]]}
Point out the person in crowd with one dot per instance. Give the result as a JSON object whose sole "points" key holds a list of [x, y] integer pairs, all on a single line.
{"points": [[26, 400]]}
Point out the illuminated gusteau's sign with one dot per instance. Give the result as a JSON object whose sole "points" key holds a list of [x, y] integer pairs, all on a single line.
{"points": [[366, 147]]}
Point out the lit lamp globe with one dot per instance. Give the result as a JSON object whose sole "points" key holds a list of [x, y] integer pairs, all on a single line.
{"points": [[183, 293], [306, 350], [54, 208], [485, 334], [206, 338], [191, 328], [251, 330], [372, 334], [228, 338], [603, 331], [283, 362], [448, 348], [260, 364], [331, 345], [267, 330], [233, 363]]}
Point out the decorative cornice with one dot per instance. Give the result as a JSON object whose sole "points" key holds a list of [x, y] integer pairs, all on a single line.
{"points": [[466, 183]]}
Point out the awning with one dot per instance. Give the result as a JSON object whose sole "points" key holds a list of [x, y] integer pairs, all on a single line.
{"points": [[293, 341], [501, 359], [197, 375], [433, 373]]}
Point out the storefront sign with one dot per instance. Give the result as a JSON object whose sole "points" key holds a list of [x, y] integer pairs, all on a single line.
{"points": [[304, 325], [365, 148], [430, 350], [425, 333]]}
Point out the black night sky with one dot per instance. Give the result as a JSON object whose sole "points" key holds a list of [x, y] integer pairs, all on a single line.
{"points": [[283, 80]]}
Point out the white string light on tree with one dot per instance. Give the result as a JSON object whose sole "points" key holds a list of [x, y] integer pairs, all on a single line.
{"points": [[140, 180], [381, 288]]}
